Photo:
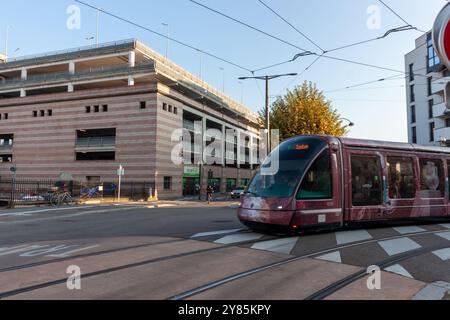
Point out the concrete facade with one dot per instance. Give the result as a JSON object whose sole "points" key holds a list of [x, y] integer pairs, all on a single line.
{"points": [[428, 116]]}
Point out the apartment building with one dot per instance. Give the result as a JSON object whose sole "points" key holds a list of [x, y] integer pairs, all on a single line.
{"points": [[83, 112], [426, 80]]}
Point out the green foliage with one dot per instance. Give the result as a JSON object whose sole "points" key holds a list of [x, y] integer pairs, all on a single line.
{"points": [[304, 111]]}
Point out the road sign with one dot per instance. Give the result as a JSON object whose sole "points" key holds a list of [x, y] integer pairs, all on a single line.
{"points": [[441, 35], [121, 171]]}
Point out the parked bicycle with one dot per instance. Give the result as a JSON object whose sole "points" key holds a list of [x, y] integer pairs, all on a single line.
{"points": [[58, 199]]}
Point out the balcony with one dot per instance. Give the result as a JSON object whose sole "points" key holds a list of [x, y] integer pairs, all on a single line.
{"points": [[6, 148], [95, 144], [440, 133], [438, 86], [440, 110]]}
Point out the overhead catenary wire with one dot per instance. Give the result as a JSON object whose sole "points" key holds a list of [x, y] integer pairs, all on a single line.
{"points": [[293, 45], [291, 25], [164, 36], [398, 16]]}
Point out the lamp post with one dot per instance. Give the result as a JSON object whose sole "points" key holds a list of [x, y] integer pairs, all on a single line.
{"points": [[350, 123], [167, 38], [267, 108]]}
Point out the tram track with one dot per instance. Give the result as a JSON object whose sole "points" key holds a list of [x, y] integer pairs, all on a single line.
{"points": [[241, 275], [114, 269], [200, 289]]}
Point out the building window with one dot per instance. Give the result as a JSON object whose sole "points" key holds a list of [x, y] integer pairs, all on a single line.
{"points": [[414, 135], [231, 184], [49, 112], [5, 116], [413, 114], [411, 72], [170, 108], [401, 178], [429, 80], [431, 179], [430, 109], [165, 106], [433, 59], [105, 108], [412, 96], [88, 109], [143, 104], [96, 109], [366, 181], [167, 183], [175, 110], [35, 114], [317, 184], [432, 132]]}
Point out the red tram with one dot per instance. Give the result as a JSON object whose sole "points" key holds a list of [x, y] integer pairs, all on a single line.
{"points": [[325, 182]]}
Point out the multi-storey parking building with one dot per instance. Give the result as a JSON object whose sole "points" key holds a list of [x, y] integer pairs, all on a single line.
{"points": [[83, 112]]}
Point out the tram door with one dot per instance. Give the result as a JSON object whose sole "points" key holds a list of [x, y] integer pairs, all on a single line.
{"points": [[366, 197]]}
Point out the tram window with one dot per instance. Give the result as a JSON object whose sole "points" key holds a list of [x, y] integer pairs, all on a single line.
{"points": [[317, 183], [401, 178], [431, 179], [366, 181]]}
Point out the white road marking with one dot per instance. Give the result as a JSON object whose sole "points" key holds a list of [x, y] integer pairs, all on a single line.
{"points": [[410, 229], [445, 225], [443, 254], [398, 269], [25, 213], [434, 291], [236, 238], [345, 237], [281, 245], [69, 253], [215, 233], [445, 235], [13, 248], [396, 246], [332, 257], [23, 249]]}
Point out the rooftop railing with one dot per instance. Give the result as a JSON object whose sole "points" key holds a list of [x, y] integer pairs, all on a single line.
{"points": [[96, 142]]}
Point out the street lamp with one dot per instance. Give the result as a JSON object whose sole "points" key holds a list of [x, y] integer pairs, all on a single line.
{"points": [[167, 38], [350, 123], [267, 109]]}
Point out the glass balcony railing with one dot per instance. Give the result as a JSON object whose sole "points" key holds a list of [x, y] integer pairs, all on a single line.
{"points": [[96, 142]]}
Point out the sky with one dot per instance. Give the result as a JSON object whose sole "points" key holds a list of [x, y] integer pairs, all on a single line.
{"points": [[378, 110]]}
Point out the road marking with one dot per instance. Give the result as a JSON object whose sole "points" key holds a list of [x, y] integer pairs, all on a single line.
{"points": [[443, 254], [236, 238], [23, 249], [445, 235], [445, 225], [434, 291], [398, 269], [396, 246], [40, 211], [69, 253], [345, 237], [13, 248], [407, 230], [332, 257], [281, 245], [215, 233]]}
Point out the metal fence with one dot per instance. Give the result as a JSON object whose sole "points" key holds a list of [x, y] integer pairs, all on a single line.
{"points": [[28, 192]]}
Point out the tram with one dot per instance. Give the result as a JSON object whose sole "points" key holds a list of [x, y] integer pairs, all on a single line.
{"points": [[325, 182]]}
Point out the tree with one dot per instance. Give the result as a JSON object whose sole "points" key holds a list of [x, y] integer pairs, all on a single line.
{"points": [[304, 111]]}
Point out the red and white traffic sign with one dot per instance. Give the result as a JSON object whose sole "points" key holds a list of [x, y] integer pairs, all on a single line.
{"points": [[441, 35]]}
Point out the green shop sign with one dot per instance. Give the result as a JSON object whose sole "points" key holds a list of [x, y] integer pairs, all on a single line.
{"points": [[191, 172]]}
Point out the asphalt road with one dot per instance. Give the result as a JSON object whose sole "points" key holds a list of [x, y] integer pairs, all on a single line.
{"points": [[196, 251]]}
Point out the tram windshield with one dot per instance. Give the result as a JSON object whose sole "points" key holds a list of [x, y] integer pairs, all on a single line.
{"points": [[294, 155]]}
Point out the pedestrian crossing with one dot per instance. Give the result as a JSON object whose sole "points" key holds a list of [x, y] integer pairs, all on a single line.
{"points": [[401, 240]]}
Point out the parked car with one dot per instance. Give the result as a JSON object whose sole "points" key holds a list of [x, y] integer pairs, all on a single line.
{"points": [[237, 193]]}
